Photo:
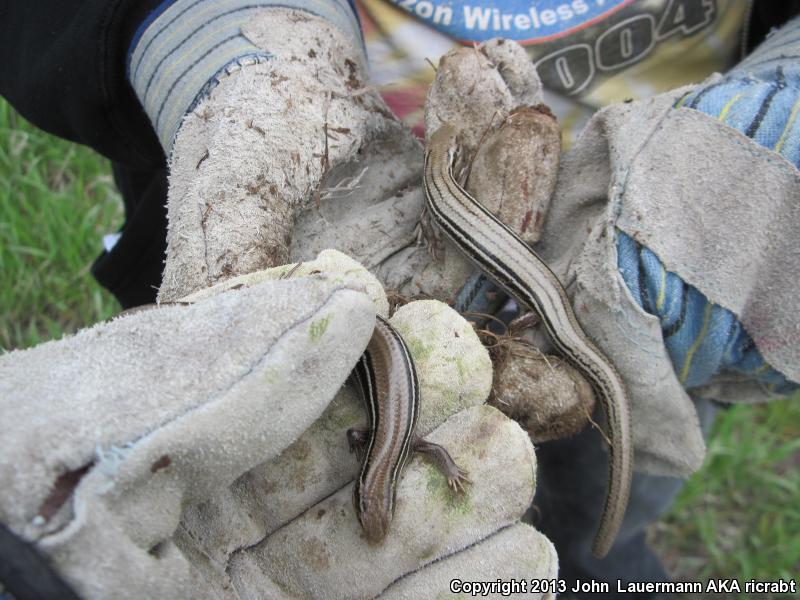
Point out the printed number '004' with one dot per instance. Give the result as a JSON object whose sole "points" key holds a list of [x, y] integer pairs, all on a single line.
{"points": [[570, 69]]}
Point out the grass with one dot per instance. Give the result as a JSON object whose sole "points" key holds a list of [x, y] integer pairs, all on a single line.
{"points": [[57, 199], [738, 517]]}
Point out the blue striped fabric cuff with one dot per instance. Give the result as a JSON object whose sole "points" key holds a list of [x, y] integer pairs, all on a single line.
{"points": [[702, 338], [761, 96], [185, 46]]}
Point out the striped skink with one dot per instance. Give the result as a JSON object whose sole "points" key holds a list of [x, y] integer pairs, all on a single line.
{"points": [[387, 381], [504, 257]]}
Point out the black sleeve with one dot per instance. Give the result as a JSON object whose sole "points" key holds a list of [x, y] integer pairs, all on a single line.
{"points": [[766, 15], [62, 66]]}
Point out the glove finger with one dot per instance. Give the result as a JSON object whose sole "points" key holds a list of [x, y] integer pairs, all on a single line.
{"points": [[324, 553], [454, 368], [517, 556], [159, 408]]}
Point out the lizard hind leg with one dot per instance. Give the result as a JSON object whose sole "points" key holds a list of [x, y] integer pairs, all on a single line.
{"points": [[456, 476], [357, 440]]}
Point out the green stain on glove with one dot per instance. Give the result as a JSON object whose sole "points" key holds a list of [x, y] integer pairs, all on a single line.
{"points": [[319, 327], [419, 350]]}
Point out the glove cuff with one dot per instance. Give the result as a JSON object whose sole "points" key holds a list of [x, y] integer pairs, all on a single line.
{"points": [[182, 50]]}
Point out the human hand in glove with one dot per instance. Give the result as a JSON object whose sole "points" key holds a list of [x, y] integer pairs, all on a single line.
{"points": [[253, 109], [648, 224], [193, 450]]}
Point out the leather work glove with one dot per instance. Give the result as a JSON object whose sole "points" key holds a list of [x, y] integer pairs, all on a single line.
{"points": [[199, 449], [272, 129]]}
